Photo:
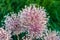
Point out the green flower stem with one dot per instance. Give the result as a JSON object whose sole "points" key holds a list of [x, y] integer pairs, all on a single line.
{"points": [[18, 37]]}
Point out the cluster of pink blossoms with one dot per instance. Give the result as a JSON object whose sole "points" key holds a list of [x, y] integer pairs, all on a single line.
{"points": [[4, 35], [52, 36], [13, 24], [31, 19], [34, 19]]}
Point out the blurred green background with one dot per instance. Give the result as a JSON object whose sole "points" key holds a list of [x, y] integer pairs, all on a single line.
{"points": [[52, 8]]}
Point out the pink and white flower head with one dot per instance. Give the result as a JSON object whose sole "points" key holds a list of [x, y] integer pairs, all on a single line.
{"points": [[4, 35], [52, 36], [13, 24], [34, 19]]}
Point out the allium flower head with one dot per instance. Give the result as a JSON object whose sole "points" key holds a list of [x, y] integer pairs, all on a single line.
{"points": [[4, 35], [13, 24], [52, 36], [34, 19]]}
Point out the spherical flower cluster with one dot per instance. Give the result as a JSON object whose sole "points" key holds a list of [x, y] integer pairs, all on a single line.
{"points": [[4, 35], [31, 19], [13, 24], [52, 36], [34, 19]]}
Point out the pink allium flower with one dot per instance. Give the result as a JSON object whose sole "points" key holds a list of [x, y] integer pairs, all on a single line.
{"points": [[13, 24], [34, 19], [52, 36], [4, 35]]}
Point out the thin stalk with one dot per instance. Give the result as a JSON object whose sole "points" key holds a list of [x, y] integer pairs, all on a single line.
{"points": [[18, 37]]}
